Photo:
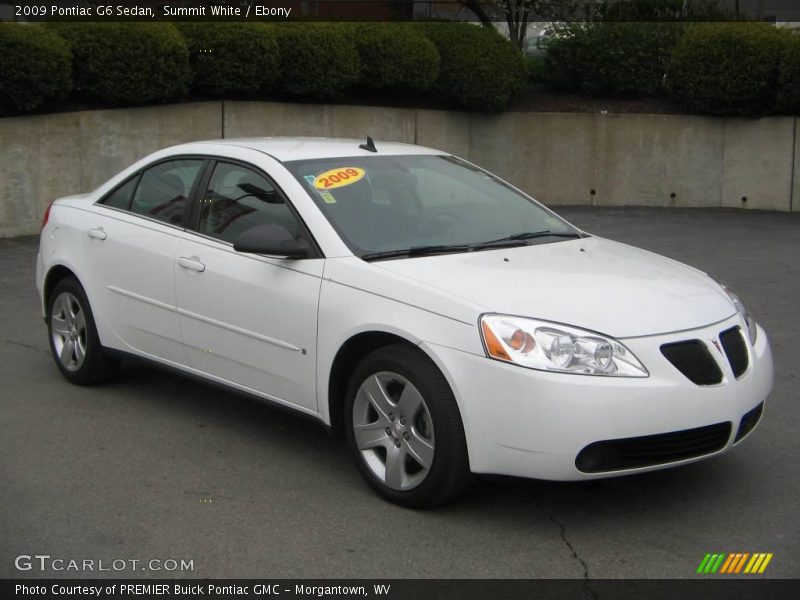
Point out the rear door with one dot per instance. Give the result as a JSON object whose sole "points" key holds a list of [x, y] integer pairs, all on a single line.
{"points": [[130, 245], [248, 320]]}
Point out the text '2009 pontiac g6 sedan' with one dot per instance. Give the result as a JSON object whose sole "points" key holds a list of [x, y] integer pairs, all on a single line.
{"points": [[446, 322]]}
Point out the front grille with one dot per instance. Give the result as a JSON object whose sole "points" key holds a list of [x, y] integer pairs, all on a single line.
{"points": [[749, 421], [735, 349], [650, 450], [693, 359]]}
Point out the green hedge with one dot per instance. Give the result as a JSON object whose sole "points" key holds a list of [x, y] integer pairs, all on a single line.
{"points": [[612, 58], [728, 68], [128, 63], [35, 67], [319, 61], [480, 69], [232, 58], [789, 78], [535, 66], [396, 58]]}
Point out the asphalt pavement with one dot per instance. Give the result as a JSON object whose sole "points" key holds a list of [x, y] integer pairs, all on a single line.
{"points": [[156, 466]]}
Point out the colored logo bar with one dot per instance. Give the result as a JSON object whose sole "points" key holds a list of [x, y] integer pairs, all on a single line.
{"points": [[736, 562]]}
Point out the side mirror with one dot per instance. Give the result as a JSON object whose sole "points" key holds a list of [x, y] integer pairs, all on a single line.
{"points": [[274, 240]]}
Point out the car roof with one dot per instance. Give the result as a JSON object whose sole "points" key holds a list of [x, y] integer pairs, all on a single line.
{"points": [[302, 148]]}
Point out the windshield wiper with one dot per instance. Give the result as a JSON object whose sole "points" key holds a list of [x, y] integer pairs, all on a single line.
{"points": [[518, 239], [526, 235], [415, 251]]}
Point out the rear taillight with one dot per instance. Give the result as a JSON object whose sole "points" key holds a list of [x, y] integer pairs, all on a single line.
{"points": [[46, 216]]}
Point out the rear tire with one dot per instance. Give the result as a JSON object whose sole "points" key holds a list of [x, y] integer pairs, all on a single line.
{"points": [[404, 429], [74, 342]]}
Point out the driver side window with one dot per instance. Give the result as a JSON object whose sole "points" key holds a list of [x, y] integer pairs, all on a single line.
{"points": [[238, 199]]}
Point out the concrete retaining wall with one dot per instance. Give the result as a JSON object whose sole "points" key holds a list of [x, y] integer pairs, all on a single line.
{"points": [[560, 158], [44, 157]]}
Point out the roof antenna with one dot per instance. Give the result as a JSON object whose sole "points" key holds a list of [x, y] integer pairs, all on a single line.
{"points": [[369, 146]]}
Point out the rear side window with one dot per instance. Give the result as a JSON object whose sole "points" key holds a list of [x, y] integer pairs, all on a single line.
{"points": [[238, 199], [121, 197], [164, 190]]}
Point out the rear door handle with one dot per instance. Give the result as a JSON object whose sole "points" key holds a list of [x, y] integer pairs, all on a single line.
{"points": [[193, 263], [97, 233]]}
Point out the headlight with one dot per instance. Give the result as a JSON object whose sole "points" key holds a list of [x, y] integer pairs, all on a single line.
{"points": [[741, 308], [554, 347]]}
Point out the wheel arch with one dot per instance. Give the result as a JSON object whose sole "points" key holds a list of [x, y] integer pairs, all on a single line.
{"points": [[350, 353], [54, 275]]}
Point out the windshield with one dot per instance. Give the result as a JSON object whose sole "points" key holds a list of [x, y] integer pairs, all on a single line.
{"points": [[386, 206]]}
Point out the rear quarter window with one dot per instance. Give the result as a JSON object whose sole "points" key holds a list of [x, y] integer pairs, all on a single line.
{"points": [[121, 196]]}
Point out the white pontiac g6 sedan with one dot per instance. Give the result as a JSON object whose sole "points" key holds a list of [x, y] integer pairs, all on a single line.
{"points": [[446, 322]]}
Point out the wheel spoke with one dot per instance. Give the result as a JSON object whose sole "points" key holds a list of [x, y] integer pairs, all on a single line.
{"points": [[67, 351], [72, 308], [395, 467], [80, 321], [60, 308], [378, 397], [59, 326], [79, 352], [410, 401], [420, 449], [370, 435]]}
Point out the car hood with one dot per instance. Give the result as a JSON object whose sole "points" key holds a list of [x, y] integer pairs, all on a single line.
{"points": [[593, 283]]}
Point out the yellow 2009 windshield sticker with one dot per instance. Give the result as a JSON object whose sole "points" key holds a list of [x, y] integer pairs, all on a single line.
{"points": [[336, 178]]}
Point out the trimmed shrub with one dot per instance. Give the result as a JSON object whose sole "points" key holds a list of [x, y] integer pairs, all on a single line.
{"points": [[727, 68], [564, 61], [128, 63], [480, 69], [318, 60], [396, 57], [232, 58], [535, 68], [612, 58], [789, 78], [35, 67]]}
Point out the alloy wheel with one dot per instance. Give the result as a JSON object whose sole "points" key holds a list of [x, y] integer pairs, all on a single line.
{"points": [[68, 331], [393, 430]]}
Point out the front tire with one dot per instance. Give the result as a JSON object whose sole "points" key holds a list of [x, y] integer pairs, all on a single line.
{"points": [[404, 428], [74, 342]]}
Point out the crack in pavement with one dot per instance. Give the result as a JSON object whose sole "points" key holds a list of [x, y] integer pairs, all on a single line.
{"points": [[24, 345], [563, 531]]}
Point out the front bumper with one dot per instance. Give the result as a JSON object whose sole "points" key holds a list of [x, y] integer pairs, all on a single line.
{"points": [[529, 423]]}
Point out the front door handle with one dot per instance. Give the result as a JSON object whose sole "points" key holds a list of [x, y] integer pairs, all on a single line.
{"points": [[97, 233], [192, 263]]}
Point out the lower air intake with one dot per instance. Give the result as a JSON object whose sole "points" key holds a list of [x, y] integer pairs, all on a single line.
{"points": [[749, 422], [651, 450]]}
